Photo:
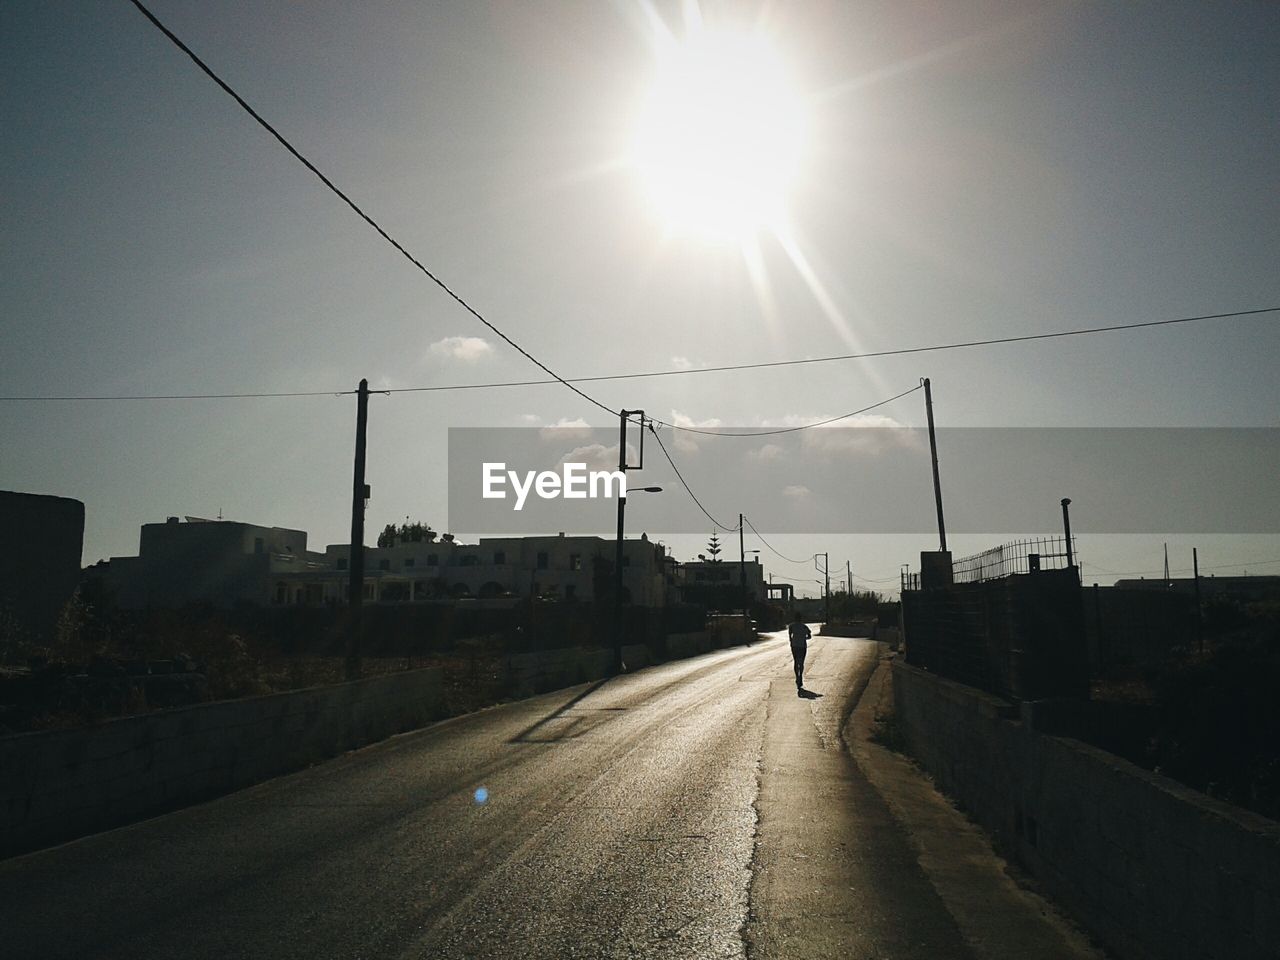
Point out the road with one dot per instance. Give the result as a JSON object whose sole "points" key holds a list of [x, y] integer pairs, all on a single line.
{"points": [[697, 809]]}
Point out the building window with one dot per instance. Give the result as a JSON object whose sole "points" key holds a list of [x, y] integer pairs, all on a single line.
{"points": [[433, 560], [575, 561], [384, 564], [499, 558], [409, 561], [626, 561], [543, 561], [342, 563], [258, 545], [469, 560], [570, 591]]}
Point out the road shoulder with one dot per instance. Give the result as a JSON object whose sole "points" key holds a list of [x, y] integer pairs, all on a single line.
{"points": [[998, 917]]}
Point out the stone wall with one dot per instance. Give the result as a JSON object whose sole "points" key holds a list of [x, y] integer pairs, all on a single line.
{"points": [[60, 784], [1148, 866]]}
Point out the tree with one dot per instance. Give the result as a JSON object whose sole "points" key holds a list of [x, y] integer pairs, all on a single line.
{"points": [[415, 532], [713, 548]]}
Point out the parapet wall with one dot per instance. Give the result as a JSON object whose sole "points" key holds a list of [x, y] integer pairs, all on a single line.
{"points": [[1148, 866], [60, 784]]}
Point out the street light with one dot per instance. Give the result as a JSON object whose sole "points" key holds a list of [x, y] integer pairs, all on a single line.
{"points": [[617, 579], [742, 581]]}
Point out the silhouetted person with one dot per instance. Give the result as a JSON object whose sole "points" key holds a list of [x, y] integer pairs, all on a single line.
{"points": [[799, 647]]}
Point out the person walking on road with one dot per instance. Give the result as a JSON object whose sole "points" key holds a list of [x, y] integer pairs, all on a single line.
{"points": [[799, 647]]}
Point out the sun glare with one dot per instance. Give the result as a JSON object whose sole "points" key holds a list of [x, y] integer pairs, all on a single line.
{"points": [[720, 135]]}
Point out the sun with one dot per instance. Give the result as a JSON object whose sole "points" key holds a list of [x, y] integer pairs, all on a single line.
{"points": [[720, 136]]}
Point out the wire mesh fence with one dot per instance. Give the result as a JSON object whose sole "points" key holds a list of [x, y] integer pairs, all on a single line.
{"points": [[1018, 556]]}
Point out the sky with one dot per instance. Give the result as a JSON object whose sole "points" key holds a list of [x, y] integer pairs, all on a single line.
{"points": [[955, 171]]}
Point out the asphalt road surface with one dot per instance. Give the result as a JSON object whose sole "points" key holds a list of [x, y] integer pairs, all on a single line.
{"points": [[697, 809]]}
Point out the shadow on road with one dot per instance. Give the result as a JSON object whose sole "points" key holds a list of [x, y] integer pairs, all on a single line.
{"points": [[572, 727], [808, 694]]}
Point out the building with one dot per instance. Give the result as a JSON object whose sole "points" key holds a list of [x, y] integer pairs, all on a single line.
{"points": [[1243, 589], [225, 562], [41, 538], [222, 562], [718, 583], [553, 567]]}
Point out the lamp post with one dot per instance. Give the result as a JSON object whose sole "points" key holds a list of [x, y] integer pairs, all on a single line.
{"points": [[617, 579]]}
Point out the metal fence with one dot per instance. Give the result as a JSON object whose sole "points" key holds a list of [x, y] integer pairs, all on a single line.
{"points": [[1018, 556]]}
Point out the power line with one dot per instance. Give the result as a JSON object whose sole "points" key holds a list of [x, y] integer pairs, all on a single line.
{"points": [[771, 546], [195, 396], [1160, 573], [806, 426], [663, 373], [894, 352], [688, 489], [893, 579], [208, 71]]}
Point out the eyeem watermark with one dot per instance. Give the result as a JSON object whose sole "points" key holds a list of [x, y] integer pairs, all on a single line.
{"points": [[574, 482]]}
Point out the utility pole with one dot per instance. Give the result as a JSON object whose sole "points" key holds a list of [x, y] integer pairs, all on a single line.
{"points": [[826, 598], [617, 556], [933, 452], [355, 557], [848, 575], [742, 575]]}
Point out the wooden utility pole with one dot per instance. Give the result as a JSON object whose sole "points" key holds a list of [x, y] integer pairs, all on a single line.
{"points": [[826, 578], [355, 557], [933, 452], [742, 574]]}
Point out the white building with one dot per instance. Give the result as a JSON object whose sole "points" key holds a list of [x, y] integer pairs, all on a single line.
{"points": [[558, 567]]}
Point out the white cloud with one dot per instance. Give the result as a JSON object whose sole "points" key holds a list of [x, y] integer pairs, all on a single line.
{"points": [[796, 491], [530, 419], [682, 363], [566, 429], [683, 420], [687, 442], [868, 435], [597, 456], [466, 349]]}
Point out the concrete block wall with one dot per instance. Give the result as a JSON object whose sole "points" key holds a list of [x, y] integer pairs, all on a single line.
{"points": [[683, 645], [60, 784], [1148, 866]]}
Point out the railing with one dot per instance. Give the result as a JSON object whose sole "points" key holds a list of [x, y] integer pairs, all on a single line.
{"points": [[1019, 556]]}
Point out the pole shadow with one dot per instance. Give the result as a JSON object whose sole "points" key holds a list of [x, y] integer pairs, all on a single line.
{"points": [[576, 728]]}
